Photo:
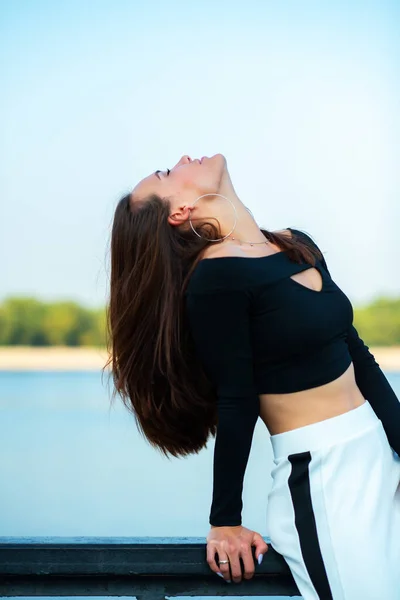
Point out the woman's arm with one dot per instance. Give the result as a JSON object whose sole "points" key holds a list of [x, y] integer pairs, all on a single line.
{"points": [[372, 382], [219, 324]]}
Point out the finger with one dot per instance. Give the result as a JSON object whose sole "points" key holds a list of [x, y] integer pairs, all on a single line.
{"points": [[236, 569], [248, 563], [261, 547], [224, 567], [211, 551]]}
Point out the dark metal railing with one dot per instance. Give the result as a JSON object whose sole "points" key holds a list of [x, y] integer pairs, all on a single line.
{"points": [[149, 568]]}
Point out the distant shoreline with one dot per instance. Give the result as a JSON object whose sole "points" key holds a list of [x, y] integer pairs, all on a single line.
{"points": [[51, 358], [62, 358]]}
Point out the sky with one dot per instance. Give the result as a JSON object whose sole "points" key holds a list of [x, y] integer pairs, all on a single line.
{"points": [[302, 98]]}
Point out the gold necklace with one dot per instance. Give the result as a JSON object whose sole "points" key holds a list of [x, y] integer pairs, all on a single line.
{"points": [[246, 242]]}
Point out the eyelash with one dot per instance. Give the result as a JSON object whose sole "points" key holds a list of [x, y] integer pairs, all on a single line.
{"points": [[168, 172]]}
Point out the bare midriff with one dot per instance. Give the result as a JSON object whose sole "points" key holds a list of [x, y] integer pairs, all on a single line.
{"points": [[283, 412]]}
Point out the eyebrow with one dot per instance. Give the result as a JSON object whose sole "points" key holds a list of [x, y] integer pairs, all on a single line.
{"points": [[156, 173]]}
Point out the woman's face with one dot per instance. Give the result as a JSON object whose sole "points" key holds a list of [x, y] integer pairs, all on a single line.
{"points": [[184, 183]]}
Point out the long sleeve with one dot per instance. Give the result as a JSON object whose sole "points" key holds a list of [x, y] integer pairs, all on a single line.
{"points": [[375, 388], [219, 324], [372, 383]]}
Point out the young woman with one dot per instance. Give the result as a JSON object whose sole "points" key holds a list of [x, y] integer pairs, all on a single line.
{"points": [[213, 322]]}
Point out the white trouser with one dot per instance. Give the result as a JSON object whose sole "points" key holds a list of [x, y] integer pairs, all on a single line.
{"points": [[334, 508]]}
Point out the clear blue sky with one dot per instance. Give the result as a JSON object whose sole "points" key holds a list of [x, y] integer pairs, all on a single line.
{"points": [[301, 97]]}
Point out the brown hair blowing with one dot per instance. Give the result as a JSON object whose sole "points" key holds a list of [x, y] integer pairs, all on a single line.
{"points": [[150, 351]]}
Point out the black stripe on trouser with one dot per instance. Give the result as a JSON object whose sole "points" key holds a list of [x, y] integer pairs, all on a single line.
{"points": [[299, 485]]}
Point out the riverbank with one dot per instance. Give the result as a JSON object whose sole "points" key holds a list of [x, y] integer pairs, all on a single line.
{"points": [[60, 358], [55, 358]]}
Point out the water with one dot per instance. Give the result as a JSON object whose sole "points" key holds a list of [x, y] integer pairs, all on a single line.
{"points": [[71, 466]]}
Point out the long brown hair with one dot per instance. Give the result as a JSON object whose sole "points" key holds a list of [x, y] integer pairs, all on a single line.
{"points": [[150, 350]]}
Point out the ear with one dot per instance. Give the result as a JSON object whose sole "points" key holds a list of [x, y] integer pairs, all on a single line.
{"points": [[179, 216]]}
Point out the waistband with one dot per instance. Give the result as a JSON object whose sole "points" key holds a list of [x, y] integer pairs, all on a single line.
{"points": [[324, 433]]}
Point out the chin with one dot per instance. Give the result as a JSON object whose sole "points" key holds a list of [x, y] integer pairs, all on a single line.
{"points": [[220, 161]]}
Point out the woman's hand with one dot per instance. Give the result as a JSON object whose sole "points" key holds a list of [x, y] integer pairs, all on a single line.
{"points": [[231, 543]]}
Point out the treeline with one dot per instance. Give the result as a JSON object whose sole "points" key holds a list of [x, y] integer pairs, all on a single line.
{"points": [[31, 322], [378, 323]]}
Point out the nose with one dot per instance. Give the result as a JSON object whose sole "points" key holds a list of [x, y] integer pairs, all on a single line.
{"points": [[184, 160]]}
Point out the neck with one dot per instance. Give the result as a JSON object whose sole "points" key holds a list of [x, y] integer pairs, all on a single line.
{"points": [[246, 227]]}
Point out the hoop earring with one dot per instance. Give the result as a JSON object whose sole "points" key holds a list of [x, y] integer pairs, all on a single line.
{"points": [[225, 236]]}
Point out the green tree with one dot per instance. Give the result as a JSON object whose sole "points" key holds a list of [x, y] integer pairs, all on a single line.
{"points": [[28, 321]]}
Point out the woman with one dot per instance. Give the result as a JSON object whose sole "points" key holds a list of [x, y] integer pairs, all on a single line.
{"points": [[214, 322]]}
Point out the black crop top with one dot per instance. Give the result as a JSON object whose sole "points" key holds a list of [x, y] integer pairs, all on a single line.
{"points": [[258, 331]]}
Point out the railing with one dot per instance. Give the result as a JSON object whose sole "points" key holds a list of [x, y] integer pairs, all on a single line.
{"points": [[149, 568]]}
